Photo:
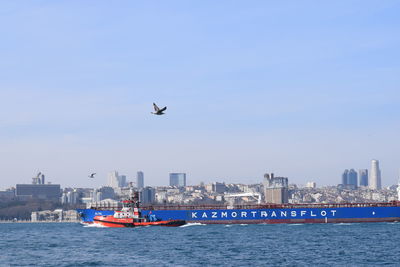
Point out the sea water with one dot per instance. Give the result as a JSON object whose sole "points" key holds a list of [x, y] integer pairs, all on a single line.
{"points": [[69, 244]]}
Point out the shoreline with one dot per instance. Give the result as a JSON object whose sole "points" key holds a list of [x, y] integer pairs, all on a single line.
{"points": [[11, 221]]}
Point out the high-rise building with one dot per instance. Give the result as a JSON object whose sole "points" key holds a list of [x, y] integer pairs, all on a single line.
{"points": [[177, 179], [121, 180], [112, 179], [72, 197], [115, 180], [375, 175], [352, 180], [139, 180], [275, 189], [345, 177], [363, 177]]}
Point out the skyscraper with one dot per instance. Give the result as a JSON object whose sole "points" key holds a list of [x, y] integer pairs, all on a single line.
{"points": [[352, 179], [113, 179], [375, 175], [122, 180], [177, 179], [363, 175], [344, 177], [139, 180]]}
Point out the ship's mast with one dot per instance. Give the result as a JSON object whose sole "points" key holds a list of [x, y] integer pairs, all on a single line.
{"points": [[398, 188]]}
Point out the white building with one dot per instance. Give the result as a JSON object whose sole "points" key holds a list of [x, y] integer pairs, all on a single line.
{"points": [[115, 180], [375, 175], [311, 185], [112, 179]]}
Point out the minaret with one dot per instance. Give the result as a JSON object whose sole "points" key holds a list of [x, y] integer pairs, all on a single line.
{"points": [[375, 175]]}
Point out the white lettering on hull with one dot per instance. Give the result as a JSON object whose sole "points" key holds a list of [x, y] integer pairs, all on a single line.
{"points": [[263, 214]]}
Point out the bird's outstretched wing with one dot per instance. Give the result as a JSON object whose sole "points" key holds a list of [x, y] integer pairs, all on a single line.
{"points": [[92, 175], [163, 109], [156, 108]]}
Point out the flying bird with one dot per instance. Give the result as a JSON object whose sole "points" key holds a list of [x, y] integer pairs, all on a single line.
{"points": [[157, 110], [92, 175]]}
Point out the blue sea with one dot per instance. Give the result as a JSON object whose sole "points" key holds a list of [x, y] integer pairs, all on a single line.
{"points": [[68, 244]]}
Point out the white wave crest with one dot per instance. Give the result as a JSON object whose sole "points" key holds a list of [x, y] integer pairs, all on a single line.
{"points": [[192, 224], [95, 225]]}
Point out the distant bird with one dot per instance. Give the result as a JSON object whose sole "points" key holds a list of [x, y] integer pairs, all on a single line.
{"points": [[157, 110], [92, 175]]}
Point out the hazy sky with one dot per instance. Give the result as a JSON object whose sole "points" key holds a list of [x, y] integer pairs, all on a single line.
{"points": [[304, 89]]}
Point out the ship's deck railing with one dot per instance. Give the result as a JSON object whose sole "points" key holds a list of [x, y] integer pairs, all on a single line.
{"points": [[255, 206], [273, 206]]}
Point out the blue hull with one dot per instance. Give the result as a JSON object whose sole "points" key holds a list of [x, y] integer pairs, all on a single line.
{"points": [[267, 215]]}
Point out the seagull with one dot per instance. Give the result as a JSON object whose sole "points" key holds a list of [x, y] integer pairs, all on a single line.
{"points": [[92, 175], [157, 110]]}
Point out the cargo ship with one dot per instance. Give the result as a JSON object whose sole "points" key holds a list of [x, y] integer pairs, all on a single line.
{"points": [[264, 213]]}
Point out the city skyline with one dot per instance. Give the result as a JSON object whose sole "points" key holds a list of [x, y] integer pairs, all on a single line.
{"points": [[350, 177], [250, 88]]}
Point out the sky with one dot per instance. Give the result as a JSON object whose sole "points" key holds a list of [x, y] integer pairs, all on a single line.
{"points": [[304, 89]]}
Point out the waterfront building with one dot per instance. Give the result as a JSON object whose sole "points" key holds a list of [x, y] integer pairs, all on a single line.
{"points": [[363, 177], [64, 198], [275, 189], [177, 179], [40, 191], [139, 180], [72, 197], [7, 194], [375, 175]]}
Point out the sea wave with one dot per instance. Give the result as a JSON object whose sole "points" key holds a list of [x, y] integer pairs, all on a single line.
{"points": [[95, 225], [192, 224]]}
